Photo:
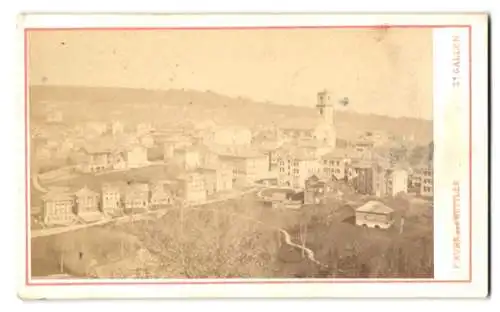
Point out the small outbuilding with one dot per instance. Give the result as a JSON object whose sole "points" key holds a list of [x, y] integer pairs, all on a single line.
{"points": [[375, 214]]}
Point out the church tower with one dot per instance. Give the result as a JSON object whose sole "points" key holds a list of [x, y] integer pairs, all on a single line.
{"points": [[326, 131], [325, 107]]}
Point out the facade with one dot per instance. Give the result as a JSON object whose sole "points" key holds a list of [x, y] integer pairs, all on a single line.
{"points": [[375, 214], [256, 167], [398, 182], [58, 208], [98, 161], [296, 167], [88, 204], [336, 163], [229, 136], [317, 190], [363, 182], [162, 194], [111, 199], [381, 177], [210, 179], [224, 178], [326, 131], [136, 198], [187, 158], [247, 166], [137, 156], [193, 188], [427, 185]]}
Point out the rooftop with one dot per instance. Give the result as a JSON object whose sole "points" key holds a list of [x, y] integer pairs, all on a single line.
{"points": [[375, 207], [343, 153]]}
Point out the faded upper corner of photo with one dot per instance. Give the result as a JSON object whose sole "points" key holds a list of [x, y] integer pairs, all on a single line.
{"points": [[231, 153]]}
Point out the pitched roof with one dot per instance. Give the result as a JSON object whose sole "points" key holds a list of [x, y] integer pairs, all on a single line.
{"points": [[85, 191], [56, 194], [375, 207], [343, 153]]}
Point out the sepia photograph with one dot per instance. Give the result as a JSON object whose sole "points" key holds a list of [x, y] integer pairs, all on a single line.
{"points": [[266, 151], [231, 153]]}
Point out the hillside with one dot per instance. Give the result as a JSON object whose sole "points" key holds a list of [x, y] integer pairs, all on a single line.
{"points": [[169, 107]]}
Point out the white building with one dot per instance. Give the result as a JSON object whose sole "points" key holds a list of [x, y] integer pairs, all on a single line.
{"points": [[296, 166], [231, 136], [320, 127], [187, 157], [375, 214], [137, 156], [398, 182]]}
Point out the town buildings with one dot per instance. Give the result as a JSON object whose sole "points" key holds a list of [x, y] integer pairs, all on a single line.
{"points": [[163, 194], [248, 166], [317, 191], [111, 199], [427, 184], [228, 136], [296, 166], [364, 177], [136, 198], [136, 156], [58, 207], [337, 162], [321, 127], [398, 182], [188, 158], [88, 204], [375, 214], [224, 178], [209, 179], [192, 187]]}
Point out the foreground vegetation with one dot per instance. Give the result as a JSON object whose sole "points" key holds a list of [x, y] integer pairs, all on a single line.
{"points": [[240, 238]]}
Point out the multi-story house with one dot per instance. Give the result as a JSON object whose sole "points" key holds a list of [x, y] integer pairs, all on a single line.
{"points": [[397, 182], [193, 187], [162, 194], [364, 177], [88, 204], [99, 159], [224, 178], [256, 166], [137, 156], [187, 158], [247, 166], [427, 185], [58, 207], [295, 167], [136, 198], [111, 199], [317, 191], [210, 179], [336, 163]]}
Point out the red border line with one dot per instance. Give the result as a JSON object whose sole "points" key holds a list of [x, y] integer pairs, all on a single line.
{"points": [[376, 26], [318, 281], [470, 153]]}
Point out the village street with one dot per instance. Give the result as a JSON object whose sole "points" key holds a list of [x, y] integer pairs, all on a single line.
{"points": [[135, 217]]}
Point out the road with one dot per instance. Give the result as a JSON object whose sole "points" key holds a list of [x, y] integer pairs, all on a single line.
{"points": [[135, 217]]}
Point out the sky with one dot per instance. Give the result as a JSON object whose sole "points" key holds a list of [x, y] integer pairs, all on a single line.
{"points": [[387, 72]]}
